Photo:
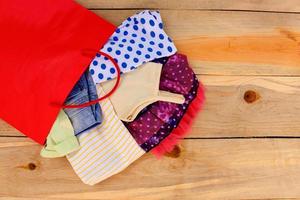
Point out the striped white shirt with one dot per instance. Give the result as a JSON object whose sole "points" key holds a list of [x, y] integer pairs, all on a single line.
{"points": [[106, 149]]}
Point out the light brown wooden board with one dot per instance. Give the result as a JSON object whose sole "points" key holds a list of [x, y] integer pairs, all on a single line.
{"points": [[234, 46], [240, 44], [231, 43], [204, 169], [253, 5], [274, 112]]}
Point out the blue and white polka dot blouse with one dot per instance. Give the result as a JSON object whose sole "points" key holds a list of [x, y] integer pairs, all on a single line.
{"points": [[137, 40]]}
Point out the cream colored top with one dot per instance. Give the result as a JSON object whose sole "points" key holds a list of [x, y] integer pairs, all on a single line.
{"points": [[139, 89]]}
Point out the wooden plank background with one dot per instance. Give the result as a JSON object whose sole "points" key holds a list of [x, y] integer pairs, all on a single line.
{"points": [[246, 142]]}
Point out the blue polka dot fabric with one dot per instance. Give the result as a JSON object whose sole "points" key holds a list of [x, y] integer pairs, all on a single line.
{"points": [[138, 40]]}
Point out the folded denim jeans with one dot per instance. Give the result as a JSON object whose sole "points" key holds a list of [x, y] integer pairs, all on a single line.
{"points": [[83, 119]]}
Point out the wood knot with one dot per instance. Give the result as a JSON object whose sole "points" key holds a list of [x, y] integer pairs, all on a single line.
{"points": [[31, 166], [250, 96], [175, 153]]}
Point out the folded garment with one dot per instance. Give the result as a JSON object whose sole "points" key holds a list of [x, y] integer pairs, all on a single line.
{"points": [[137, 40], [183, 127], [169, 116], [88, 117], [105, 150], [61, 139], [156, 122], [139, 89]]}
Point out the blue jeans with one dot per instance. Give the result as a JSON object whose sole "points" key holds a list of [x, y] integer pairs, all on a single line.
{"points": [[88, 117]]}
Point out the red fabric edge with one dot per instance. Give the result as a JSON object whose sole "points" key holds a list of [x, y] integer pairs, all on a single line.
{"points": [[42, 137], [184, 125]]}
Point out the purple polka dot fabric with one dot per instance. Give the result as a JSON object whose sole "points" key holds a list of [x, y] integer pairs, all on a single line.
{"points": [[158, 120], [137, 40]]}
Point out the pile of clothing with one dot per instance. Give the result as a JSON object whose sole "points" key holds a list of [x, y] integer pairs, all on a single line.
{"points": [[154, 105]]}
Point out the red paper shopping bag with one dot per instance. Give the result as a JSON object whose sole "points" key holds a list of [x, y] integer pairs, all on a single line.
{"points": [[41, 58]]}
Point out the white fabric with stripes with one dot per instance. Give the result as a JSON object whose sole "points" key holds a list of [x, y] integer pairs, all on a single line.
{"points": [[106, 149]]}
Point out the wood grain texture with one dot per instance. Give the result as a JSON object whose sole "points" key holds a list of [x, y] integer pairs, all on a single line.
{"points": [[247, 54], [232, 43], [273, 111], [226, 113], [205, 169], [236, 44], [253, 5]]}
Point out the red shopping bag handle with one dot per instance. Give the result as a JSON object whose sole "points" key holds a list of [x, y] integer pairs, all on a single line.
{"points": [[107, 94]]}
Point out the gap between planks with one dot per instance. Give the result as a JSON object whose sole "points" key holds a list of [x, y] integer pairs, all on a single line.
{"points": [[199, 9], [203, 138], [276, 6]]}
